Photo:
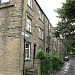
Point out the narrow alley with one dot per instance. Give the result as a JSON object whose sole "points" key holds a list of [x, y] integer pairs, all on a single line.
{"points": [[68, 68]]}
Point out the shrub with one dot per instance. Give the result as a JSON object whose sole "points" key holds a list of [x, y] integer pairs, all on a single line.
{"points": [[48, 63], [45, 62], [40, 54], [56, 63]]}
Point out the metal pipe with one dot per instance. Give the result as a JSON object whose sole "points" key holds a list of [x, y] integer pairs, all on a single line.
{"points": [[24, 38], [24, 57]]}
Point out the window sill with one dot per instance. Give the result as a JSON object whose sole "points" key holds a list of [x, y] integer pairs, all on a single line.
{"points": [[27, 59], [30, 7], [41, 39], [41, 21], [6, 5]]}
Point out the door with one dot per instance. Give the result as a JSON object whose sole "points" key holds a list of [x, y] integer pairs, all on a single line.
{"points": [[34, 53]]}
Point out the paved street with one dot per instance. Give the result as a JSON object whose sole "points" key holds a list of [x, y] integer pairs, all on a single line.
{"points": [[68, 68]]}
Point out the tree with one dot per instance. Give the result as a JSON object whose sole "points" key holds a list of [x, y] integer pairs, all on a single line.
{"points": [[66, 24]]}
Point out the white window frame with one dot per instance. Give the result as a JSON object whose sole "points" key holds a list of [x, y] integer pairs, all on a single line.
{"points": [[30, 3], [41, 15], [28, 24], [4, 1], [40, 33], [28, 51]]}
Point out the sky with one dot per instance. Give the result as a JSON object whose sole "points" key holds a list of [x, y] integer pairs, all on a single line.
{"points": [[48, 6]]}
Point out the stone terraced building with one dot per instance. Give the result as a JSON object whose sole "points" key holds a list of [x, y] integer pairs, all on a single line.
{"points": [[24, 27]]}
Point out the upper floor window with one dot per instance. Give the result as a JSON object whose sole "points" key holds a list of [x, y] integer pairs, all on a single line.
{"points": [[30, 3], [4, 1], [40, 33], [28, 24], [41, 16], [49, 26], [27, 51]]}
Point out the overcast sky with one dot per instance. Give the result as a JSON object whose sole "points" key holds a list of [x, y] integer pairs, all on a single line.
{"points": [[48, 7]]}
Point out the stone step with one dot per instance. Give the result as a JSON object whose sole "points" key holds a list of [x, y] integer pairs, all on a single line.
{"points": [[30, 71]]}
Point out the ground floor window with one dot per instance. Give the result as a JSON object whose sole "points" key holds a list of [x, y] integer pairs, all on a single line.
{"points": [[27, 51]]}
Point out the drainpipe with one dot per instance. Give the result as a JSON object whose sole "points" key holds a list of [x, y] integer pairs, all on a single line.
{"points": [[44, 36], [48, 37], [24, 57], [24, 37]]}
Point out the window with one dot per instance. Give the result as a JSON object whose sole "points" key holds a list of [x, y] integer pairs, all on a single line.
{"points": [[49, 26], [30, 3], [4, 1], [28, 24], [40, 33], [37, 9], [27, 51], [41, 16]]}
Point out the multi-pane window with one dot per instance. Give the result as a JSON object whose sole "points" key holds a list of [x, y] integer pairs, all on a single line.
{"points": [[30, 3], [28, 24], [4, 1], [27, 51], [41, 16], [40, 33]]}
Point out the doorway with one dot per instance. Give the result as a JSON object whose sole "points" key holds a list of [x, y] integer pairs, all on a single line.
{"points": [[34, 53]]}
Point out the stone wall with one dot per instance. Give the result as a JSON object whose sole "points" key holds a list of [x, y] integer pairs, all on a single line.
{"points": [[10, 33]]}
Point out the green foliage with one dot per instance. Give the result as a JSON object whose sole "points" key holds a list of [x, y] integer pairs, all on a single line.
{"points": [[66, 24], [66, 17], [71, 40], [56, 63], [70, 10], [48, 63], [45, 62], [40, 54], [56, 34], [67, 12]]}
